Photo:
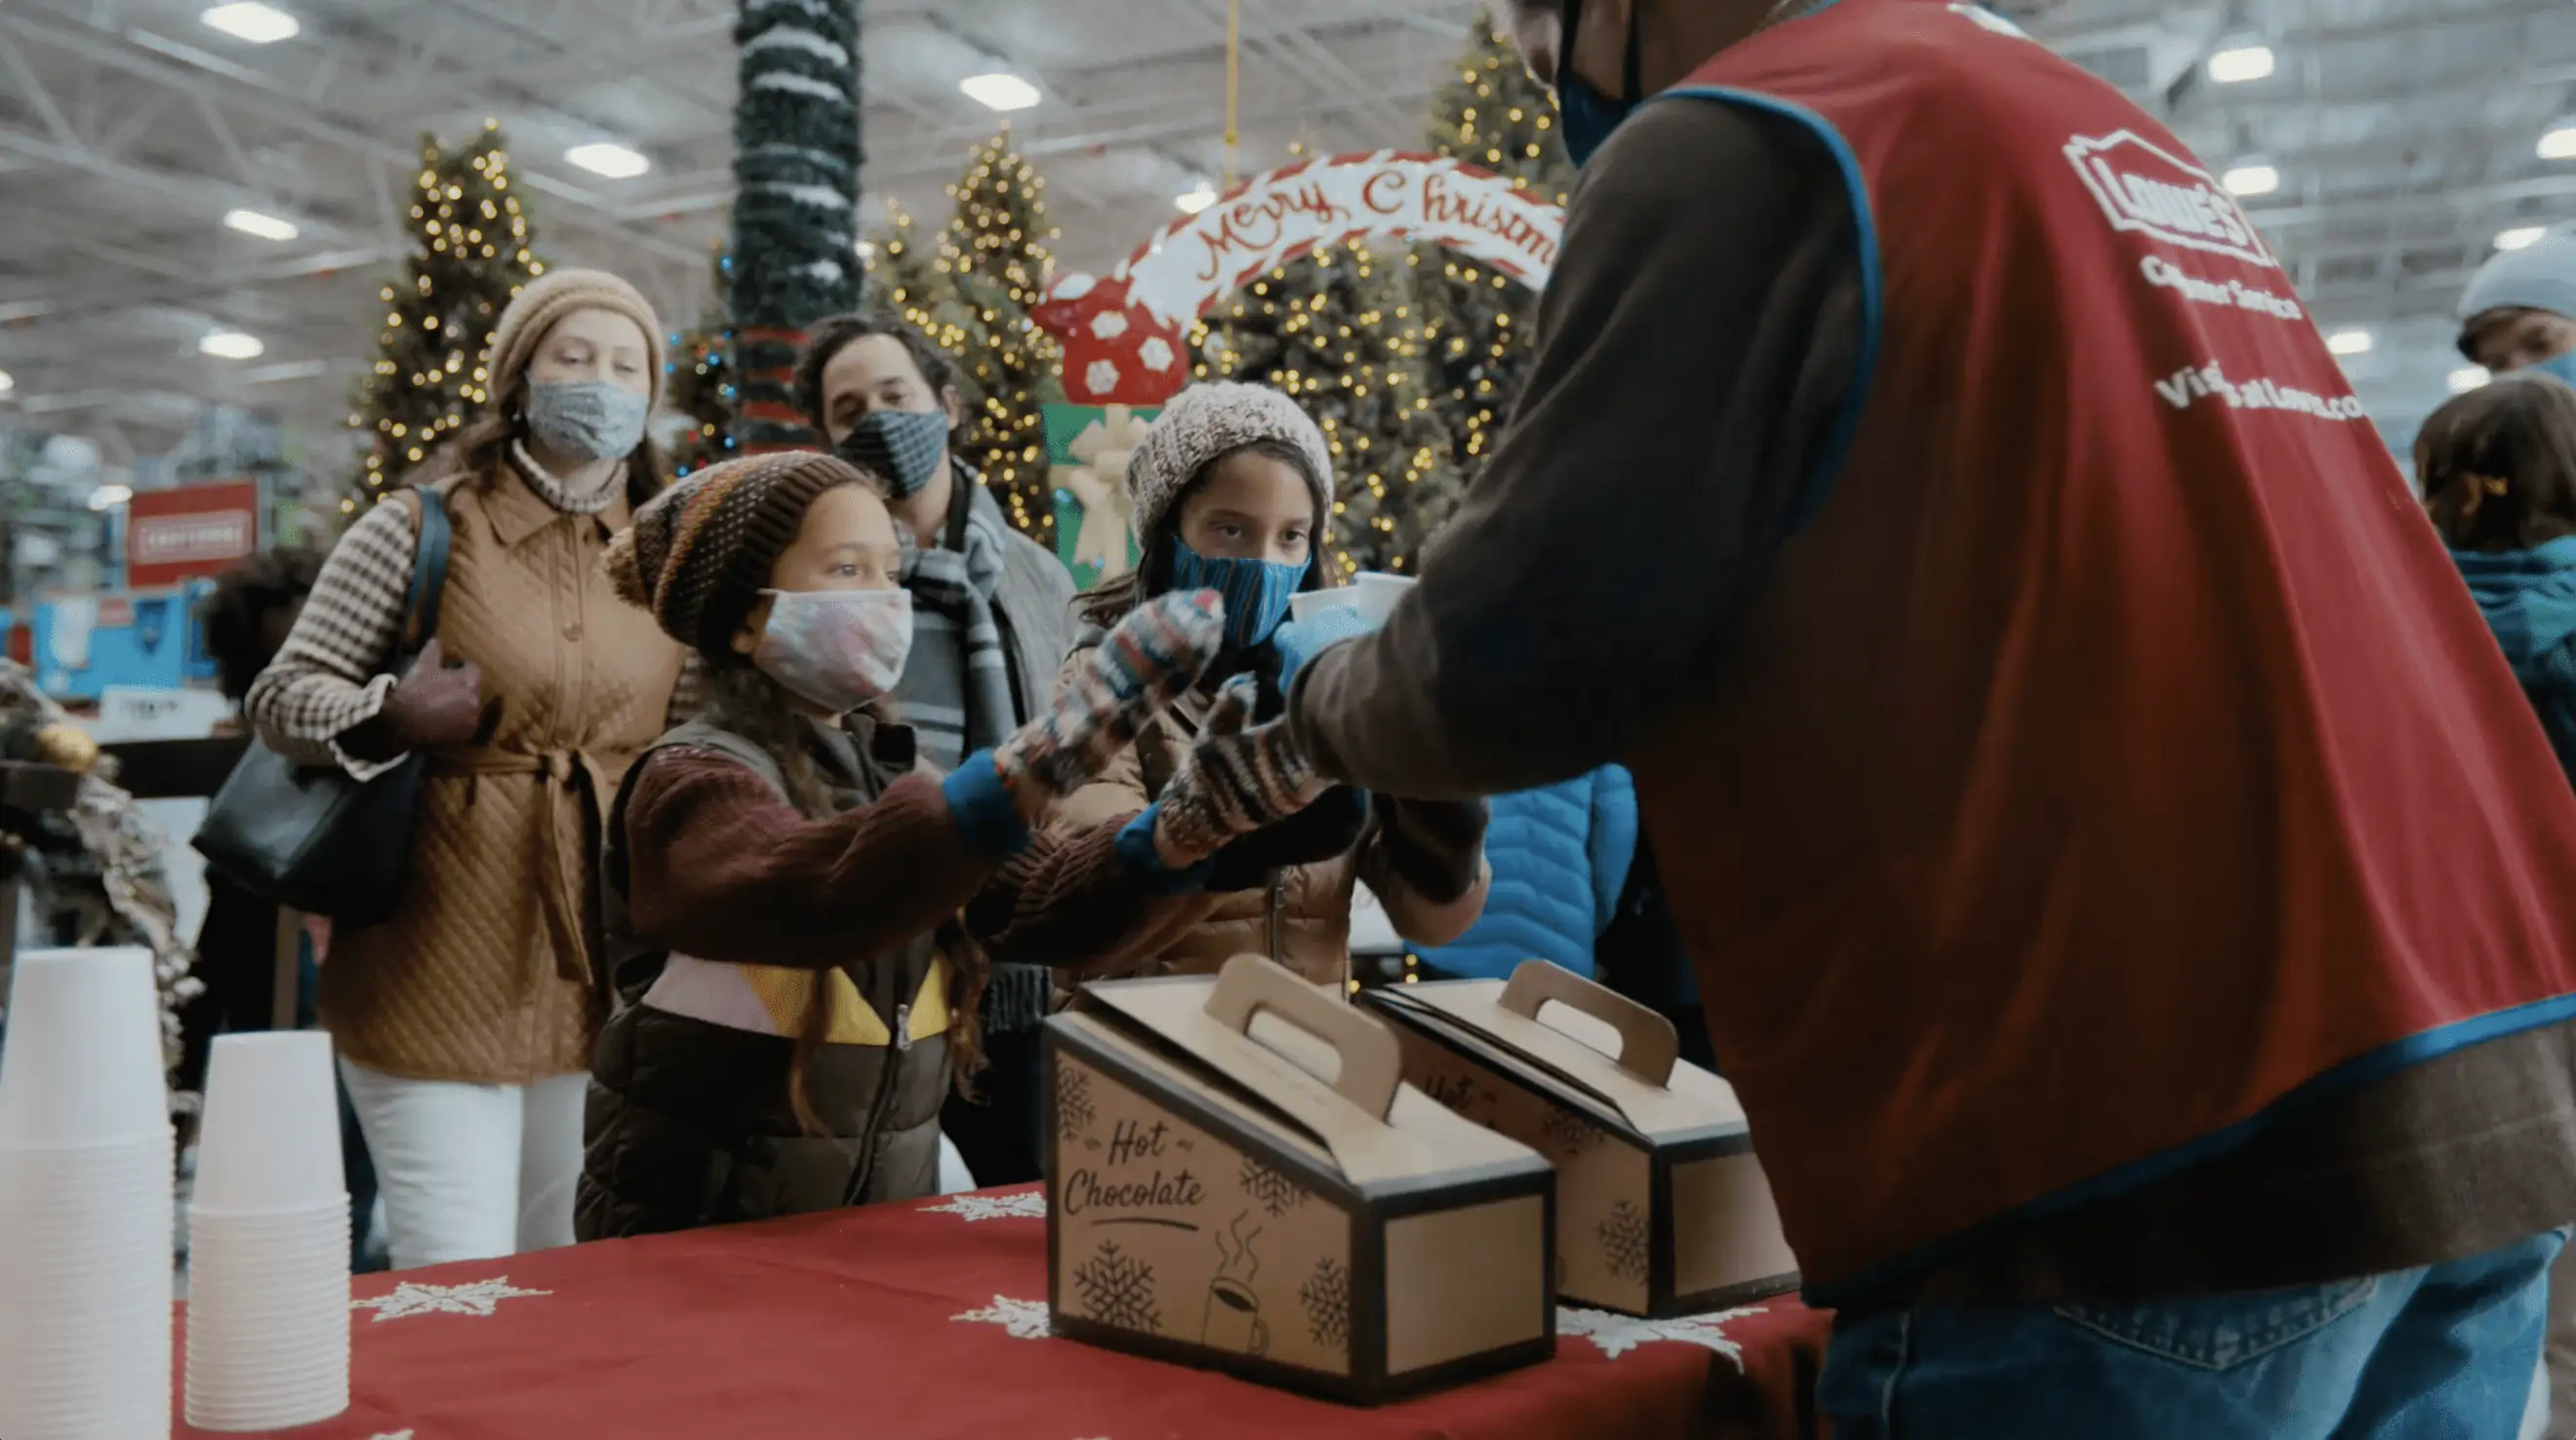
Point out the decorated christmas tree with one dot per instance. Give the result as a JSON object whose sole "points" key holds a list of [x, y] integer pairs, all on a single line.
{"points": [[911, 272], [475, 253], [700, 382], [997, 254], [795, 214], [1337, 330], [1477, 326]]}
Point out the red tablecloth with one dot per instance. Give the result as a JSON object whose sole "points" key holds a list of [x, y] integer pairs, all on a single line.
{"points": [[927, 1320]]}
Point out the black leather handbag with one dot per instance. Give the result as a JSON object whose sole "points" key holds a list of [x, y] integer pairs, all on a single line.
{"points": [[311, 838]]}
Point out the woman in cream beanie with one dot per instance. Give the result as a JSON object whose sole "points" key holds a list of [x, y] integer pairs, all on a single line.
{"points": [[464, 1022]]}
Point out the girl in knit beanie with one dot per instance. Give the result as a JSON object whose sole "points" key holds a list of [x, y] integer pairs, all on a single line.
{"points": [[1233, 492], [799, 918]]}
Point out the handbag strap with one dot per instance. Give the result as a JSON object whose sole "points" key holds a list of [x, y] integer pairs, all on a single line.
{"points": [[430, 546]]}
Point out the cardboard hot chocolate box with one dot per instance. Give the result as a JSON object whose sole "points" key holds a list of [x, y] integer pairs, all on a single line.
{"points": [[1213, 1200], [1661, 1207]]}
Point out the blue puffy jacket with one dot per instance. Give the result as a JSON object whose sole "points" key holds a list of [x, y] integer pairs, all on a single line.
{"points": [[1560, 857], [2529, 597]]}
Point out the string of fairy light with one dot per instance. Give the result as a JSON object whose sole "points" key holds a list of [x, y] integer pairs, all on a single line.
{"points": [[996, 246], [436, 345]]}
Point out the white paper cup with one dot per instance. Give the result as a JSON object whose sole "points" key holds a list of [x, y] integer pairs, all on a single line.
{"points": [[81, 1064], [1374, 594], [270, 1139]]}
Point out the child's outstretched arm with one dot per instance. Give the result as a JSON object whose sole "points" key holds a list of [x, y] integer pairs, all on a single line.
{"points": [[721, 868]]}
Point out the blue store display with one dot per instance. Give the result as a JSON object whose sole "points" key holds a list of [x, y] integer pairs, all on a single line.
{"points": [[148, 638]]}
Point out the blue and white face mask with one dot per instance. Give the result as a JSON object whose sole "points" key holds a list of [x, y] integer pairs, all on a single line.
{"points": [[2561, 367], [1588, 114], [1256, 591]]}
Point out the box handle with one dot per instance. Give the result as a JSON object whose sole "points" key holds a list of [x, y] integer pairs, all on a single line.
{"points": [[1372, 1063], [1648, 1044]]}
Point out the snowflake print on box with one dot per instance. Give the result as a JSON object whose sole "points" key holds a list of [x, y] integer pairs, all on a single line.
{"points": [[1118, 1289], [1073, 1112], [1327, 1298], [1623, 1241], [1569, 1135], [1275, 1192]]}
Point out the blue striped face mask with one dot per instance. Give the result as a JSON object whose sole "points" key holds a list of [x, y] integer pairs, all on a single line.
{"points": [[1256, 591]]}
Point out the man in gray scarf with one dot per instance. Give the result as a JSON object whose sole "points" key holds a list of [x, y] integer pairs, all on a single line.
{"points": [[992, 623]]}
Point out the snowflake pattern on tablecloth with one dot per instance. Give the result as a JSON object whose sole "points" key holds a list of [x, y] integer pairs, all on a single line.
{"points": [[1623, 1241], [409, 1299], [1326, 1296], [1022, 1205], [1118, 1289], [1022, 1319], [1569, 1134], [1274, 1192], [1616, 1335], [1073, 1110]]}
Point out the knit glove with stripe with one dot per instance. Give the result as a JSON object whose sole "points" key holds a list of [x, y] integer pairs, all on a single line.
{"points": [[1238, 778], [1154, 655]]}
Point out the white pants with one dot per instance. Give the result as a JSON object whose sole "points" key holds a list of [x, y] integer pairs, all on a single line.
{"points": [[470, 1172]]}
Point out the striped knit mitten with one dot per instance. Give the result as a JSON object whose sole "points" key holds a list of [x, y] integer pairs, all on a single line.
{"points": [[1237, 779], [1154, 655]]}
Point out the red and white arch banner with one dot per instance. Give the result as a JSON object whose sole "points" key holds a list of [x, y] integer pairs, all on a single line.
{"points": [[1126, 337]]}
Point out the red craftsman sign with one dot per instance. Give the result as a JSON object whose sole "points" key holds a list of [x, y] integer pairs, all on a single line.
{"points": [[189, 532]]}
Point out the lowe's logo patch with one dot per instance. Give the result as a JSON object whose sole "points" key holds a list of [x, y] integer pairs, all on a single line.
{"points": [[2145, 188]]}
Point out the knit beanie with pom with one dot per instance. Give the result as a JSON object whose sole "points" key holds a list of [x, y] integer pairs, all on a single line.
{"points": [[1204, 422], [699, 553], [543, 301]]}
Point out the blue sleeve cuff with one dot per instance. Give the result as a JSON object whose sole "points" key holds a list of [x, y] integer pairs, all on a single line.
{"points": [[1136, 847], [982, 805]]}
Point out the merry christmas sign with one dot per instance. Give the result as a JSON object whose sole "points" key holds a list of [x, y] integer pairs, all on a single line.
{"points": [[1126, 337]]}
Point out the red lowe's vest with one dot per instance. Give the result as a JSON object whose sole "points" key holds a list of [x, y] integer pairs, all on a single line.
{"points": [[2113, 751]]}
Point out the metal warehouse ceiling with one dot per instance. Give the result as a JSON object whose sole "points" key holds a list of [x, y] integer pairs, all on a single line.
{"points": [[2404, 137]]}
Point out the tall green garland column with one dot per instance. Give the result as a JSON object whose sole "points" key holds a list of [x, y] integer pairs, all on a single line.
{"points": [[795, 216]]}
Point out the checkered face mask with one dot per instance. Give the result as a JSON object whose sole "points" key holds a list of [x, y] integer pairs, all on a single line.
{"points": [[903, 446]]}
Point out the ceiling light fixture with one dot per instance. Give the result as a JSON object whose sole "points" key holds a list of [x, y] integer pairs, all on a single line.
{"points": [[108, 497], [999, 90], [2520, 237], [8, 382], [1195, 199], [2350, 342], [2240, 58], [2558, 142], [2251, 177], [266, 227], [231, 345], [2468, 378], [249, 20], [603, 158]]}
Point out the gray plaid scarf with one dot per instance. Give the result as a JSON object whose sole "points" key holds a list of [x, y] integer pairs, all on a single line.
{"points": [[956, 689]]}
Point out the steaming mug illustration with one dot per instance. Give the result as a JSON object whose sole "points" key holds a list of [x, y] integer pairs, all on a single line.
{"points": [[1234, 1319]]}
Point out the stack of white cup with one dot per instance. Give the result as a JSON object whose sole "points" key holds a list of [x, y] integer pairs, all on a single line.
{"points": [[268, 1239], [85, 1201]]}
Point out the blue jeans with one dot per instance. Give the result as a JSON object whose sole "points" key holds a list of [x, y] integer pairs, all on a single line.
{"points": [[2432, 1354]]}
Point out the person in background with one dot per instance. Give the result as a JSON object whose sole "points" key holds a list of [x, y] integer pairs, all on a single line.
{"points": [[1233, 492], [2519, 310], [465, 1021], [2498, 469], [1560, 858], [992, 609], [247, 619], [2127, 887], [801, 915]]}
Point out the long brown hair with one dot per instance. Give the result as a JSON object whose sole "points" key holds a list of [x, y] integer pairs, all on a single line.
{"points": [[746, 702], [480, 450], [2498, 464]]}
